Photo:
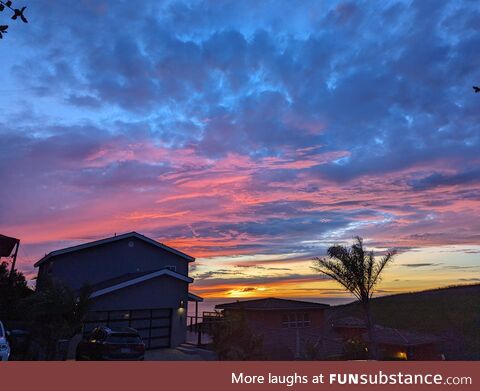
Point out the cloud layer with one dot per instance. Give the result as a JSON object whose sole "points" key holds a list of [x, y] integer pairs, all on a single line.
{"points": [[238, 128]]}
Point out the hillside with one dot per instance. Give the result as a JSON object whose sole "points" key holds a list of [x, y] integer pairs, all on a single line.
{"points": [[452, 313]]}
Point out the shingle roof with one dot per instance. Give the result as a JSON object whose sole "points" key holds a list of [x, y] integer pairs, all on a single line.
{"points": [[387, 335], [271, 304], [117, 280], [349, 322], [110, 240], [130, 279], [392, 336]]}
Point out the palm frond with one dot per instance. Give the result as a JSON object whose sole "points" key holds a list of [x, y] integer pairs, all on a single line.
{"points": [[339, 272], [378, 268], [354, 268]]}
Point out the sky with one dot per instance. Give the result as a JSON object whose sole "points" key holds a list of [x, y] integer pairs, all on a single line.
{"points": [[251, 135]]}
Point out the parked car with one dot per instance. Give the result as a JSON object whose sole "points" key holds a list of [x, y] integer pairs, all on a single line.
{"points": [[111, 343], [4, 346]]}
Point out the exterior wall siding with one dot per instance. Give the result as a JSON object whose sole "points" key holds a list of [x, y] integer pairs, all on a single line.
{"points": [[161, 292], [103, 262]]}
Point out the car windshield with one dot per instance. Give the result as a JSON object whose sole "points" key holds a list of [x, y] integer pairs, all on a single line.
{"points": [[123, 338]]}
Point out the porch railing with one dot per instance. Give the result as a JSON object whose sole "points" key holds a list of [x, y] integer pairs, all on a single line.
{"points": [[203, 324]]}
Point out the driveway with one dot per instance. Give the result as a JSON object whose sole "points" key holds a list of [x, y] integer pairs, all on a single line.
{"points": [[182, 353]]}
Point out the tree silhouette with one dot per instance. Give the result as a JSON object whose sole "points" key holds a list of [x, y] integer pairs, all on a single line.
{"points": [[18, 14], [13, 287], [233, 339], [55, 312], [359, 272]]}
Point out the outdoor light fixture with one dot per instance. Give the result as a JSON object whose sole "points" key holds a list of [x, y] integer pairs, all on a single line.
{"points": [[402, 355], [182, 304]]}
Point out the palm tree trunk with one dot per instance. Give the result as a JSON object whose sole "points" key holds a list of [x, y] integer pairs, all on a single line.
{"points": [[373, 346]]}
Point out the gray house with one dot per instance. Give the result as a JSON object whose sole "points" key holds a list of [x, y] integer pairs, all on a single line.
{"points": [[136, 282]]}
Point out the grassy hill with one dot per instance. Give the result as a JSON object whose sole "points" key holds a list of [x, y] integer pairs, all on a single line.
{"points": [[452, 313]]}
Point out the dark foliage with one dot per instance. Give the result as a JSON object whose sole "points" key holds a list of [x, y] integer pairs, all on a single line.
{"points": [[12, 289], [355, 349], [233, 340], [18, 14], [55, 312]]}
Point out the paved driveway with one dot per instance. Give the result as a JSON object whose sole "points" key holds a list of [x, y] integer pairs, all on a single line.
{"points": [[182, 353]]}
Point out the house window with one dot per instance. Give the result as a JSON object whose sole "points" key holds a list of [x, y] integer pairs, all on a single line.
{"points": [[296, 320], [171, 267]]}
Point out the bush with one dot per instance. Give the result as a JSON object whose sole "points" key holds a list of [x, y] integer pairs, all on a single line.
{"points": [[233, 340], [355, 349], [55, 312]]}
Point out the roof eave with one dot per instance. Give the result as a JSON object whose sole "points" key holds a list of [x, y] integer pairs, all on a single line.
{"points": [[43, 260], [137, 280], [99, 242], [271, 309], [194, 297]]}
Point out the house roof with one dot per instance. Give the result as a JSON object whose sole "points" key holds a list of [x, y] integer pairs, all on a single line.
{"points": [[118, 280], [386, 335], [111, 240], [194, 297], [349, 322], [392, 336], [271, 304], [130, 279]]}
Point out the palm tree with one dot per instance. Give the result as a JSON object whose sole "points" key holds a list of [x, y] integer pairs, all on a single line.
{"points": [[358, 271]]}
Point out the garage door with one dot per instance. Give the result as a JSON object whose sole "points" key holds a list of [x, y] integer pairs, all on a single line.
{"points": [[153, 325]]}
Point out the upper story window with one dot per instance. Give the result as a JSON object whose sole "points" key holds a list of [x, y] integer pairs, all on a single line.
{"points": [[296, 320], [171, 267]]}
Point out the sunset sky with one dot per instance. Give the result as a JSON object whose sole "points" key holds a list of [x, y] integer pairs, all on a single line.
{"points": [[249, 134]]}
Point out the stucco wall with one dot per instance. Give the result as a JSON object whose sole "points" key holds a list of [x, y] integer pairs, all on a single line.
{"points": [[273, 319], [280, 343]]}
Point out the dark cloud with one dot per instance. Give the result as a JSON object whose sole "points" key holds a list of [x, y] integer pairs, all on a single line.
{"points": [[460, 267], [438, 179], [263, 267], [415, 265], [248, 289], [84, 100], [268, 279], [215, 273]]}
